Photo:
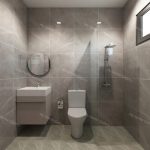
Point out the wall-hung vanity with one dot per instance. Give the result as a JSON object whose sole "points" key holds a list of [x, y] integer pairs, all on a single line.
{"points": [[33, 105]]}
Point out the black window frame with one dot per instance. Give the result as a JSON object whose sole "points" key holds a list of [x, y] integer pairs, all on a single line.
{"points": [[139, 26]]}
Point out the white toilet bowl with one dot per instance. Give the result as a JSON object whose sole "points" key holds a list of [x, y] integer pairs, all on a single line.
{"points": [[77, 111], [77, 117]]}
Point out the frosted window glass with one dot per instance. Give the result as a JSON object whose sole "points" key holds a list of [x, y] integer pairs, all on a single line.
{"points": [[146, 23]]}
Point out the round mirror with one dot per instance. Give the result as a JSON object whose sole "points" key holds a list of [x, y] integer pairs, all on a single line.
{"points": [[38, 64]]}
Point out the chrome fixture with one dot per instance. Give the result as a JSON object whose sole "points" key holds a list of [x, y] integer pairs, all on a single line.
{"points": [[107, 67], [99, 22], [59, 22]]}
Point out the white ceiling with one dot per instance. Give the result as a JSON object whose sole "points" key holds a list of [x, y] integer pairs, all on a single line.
{"points": [[75, 3]]}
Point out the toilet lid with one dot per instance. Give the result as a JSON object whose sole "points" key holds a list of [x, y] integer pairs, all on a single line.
{"points": [[77, 112]]}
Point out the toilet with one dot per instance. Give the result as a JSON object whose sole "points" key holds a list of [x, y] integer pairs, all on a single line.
{"points": [[77, 111]]}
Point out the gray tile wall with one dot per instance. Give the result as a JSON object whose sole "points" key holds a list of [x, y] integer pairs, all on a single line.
{"points": [[76, 50], [13, 43], [137, 79]]}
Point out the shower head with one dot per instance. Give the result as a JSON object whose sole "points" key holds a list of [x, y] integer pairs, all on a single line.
{"points": [[111, 45], [109, 48]]}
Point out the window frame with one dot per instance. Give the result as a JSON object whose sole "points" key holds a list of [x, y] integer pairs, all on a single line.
{"points": [[139, 26]]}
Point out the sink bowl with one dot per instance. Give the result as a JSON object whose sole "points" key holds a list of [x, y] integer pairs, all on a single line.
{"points": [[34, 91]]}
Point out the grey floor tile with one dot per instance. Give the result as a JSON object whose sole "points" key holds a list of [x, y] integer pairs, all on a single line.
{"points": [[119, 147], [55, 132], [68, 146], [85, 146], [34, 145], [135, 146], [58, 137], [124, 135], [66, 134], [104, 148]]}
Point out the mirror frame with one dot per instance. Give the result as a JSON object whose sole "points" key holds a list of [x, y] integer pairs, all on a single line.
{"points": [[139, 26], [36, 75]]}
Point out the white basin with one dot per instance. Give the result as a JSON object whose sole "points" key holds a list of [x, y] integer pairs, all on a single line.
{"points": [[34, 91]]}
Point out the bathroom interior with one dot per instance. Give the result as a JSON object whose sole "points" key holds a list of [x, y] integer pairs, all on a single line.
{"points": [[74, 74]]}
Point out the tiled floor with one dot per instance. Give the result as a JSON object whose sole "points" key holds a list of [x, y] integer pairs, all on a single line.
{"points": [[57, 137]]}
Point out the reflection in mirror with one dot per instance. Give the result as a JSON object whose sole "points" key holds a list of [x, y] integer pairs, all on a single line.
{"points": [[38, 64], [146, 23]]}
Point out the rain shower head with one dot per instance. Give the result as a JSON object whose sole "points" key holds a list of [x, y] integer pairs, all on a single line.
{"points": [[111, 45], [109, 49]]}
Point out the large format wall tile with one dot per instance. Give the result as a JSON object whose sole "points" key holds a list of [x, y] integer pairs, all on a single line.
{"points": [[63, 15], [20, 69], [60, 87], [131, 63], [86, 18], [136, 71], [13, 51], [39, 40], [111, 35], [85, 39], [7, 59], [39, 18], [111, 17], [61, 40], [116, 62], [111, 113], [144, 61], [7, 112], [87, 65], [62, 65], [144, 99]]}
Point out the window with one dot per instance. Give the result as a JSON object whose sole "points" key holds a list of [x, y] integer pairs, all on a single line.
{"points": [[143, 25]]}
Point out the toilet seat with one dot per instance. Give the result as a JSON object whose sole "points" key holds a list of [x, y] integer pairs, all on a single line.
{"points": [[77, 112]]}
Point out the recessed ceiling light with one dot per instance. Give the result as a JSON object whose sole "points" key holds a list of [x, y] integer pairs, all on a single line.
{"points": [[58, 22], [99, 22]]}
